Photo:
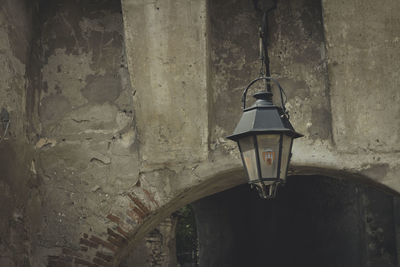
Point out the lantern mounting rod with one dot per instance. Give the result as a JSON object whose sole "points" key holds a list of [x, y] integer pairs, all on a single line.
{"points": [[265, 7]]}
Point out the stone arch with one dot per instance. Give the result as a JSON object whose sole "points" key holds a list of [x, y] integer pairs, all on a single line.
{"points": [[224, 179], [214, 183]]}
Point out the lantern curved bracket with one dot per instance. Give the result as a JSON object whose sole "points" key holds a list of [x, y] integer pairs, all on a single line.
{"points": [[281, 91]]}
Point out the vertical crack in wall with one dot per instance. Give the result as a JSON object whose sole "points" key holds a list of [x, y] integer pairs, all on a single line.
{"points": [[327, 72]]}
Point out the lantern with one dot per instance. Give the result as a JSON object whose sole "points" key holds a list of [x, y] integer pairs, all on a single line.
{"points": [[265, 137]]}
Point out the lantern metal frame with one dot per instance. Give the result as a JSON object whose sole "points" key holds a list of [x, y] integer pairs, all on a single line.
{"points": [[264, 118]]}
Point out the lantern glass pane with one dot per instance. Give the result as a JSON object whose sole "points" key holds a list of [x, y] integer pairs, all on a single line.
{"points": [[268, 150], [286, 148], [248, 150]]}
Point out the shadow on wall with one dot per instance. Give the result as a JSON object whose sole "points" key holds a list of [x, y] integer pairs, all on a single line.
{"points": [[314, 221]]}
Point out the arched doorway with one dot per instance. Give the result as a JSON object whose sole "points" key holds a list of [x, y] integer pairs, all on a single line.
{"points": [[314, 221]]}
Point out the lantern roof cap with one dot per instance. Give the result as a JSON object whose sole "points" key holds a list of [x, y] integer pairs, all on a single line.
{"points": [[263, 117]]}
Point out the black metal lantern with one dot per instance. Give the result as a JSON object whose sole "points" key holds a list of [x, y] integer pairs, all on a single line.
{"points": [[265, 137], [264, 133]]}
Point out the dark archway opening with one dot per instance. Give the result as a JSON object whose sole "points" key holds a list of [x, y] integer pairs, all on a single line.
{"points": [[187, 246], [314, 221]]}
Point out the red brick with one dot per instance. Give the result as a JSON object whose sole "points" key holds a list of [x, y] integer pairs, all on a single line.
{"points": [[66, 258], [101, 262], [83, 262], [114, 218], [107, 258], [122, 232], [115, 241], [133, 216], [71, 252], [103, 243], [138, 203], [139, 213], [115, 235], [58, 263], [150, 197], [53, 257], [88, 243]]}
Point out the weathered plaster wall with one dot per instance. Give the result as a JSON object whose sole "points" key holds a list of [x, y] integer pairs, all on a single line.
{"points": [[305, 50], [168, 40], [19, 200], [15, 39], [233, 49], [364, 61], [85, 139], [298, 61], [297, 55]]}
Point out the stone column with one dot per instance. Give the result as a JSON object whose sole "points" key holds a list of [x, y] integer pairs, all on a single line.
{"points": [[167, 58], [363, 41]]}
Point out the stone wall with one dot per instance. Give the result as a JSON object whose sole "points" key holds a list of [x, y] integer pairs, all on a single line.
{"points": [[85, 147], [363, 50], [19, 193], [166, 48]]}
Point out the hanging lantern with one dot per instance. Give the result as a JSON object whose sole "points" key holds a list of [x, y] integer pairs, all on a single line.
{"points": [[265, 137]]}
